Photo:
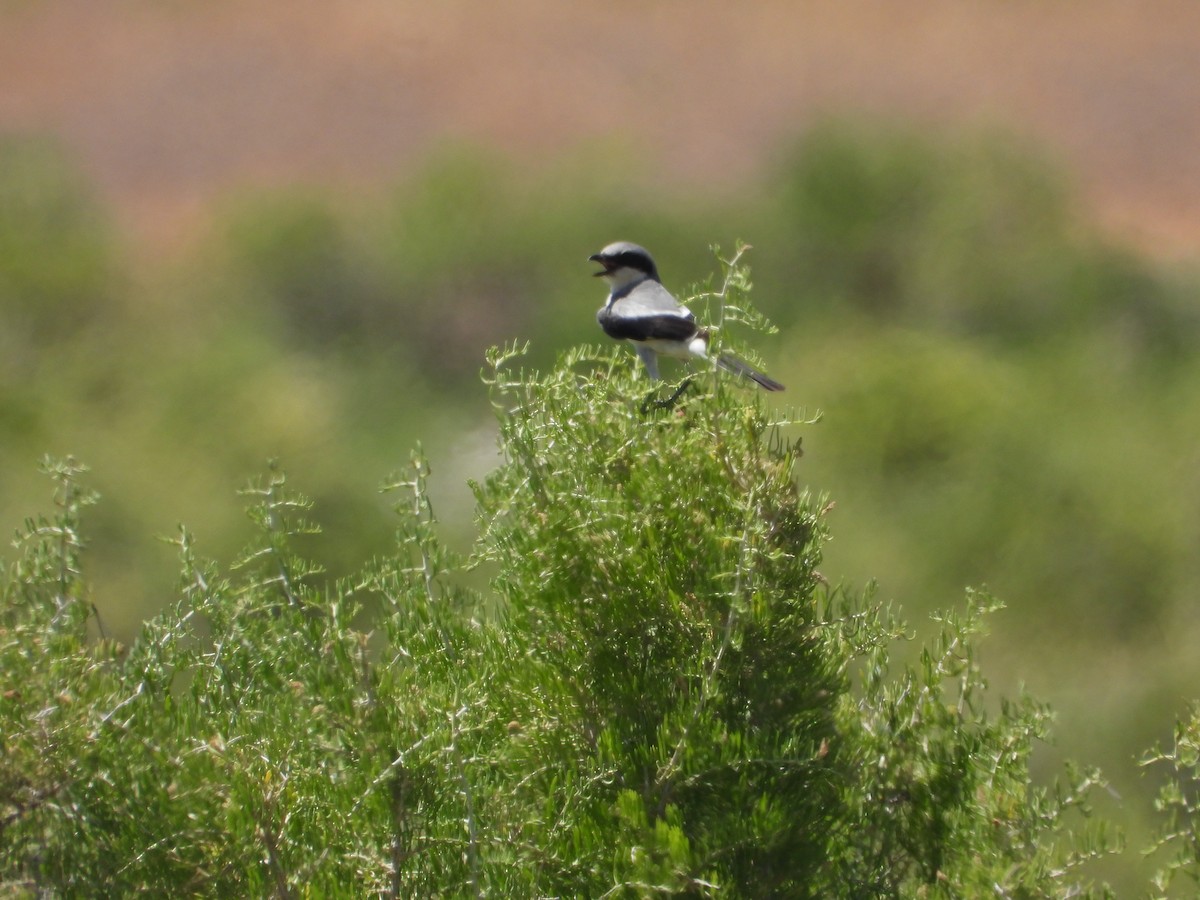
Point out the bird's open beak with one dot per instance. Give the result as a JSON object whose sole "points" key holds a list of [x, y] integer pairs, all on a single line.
{"points": [[596, 257]]}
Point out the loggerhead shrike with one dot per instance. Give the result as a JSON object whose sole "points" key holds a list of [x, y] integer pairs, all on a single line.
{"points": [[641, 310]]}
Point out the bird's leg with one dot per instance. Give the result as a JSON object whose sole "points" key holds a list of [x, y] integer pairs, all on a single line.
{"points": [[649, 358], [651, 403]]}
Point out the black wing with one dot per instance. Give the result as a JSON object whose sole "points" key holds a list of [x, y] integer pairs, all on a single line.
{"points": [[645, 328]]}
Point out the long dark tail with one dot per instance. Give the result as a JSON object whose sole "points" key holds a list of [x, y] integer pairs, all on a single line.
{"points": [[731, 363]]}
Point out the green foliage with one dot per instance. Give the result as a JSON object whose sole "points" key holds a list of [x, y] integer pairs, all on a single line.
{"points": [[1012, 397], [975, 235], [941, 792], [1179, 835], [662, 697], [253, 740], [57, 685], [661, 569]]}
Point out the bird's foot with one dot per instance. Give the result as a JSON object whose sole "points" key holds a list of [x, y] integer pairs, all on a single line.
{"points": [[652, 402]]}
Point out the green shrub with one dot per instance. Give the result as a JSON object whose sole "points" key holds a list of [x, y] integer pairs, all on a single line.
{"points": [[661, 697], [1178, 837], [971, 234]]}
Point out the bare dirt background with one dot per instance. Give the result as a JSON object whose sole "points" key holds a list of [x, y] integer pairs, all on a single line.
{"points": [[170, 106]]}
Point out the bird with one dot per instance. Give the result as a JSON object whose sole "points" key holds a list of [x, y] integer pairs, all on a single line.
{"points": [[639, 309]]}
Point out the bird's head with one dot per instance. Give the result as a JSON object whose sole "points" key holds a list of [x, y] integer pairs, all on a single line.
{"points": [[622, 263]]}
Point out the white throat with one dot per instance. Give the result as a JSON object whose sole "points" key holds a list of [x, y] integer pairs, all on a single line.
{"points": [[623, 277]]}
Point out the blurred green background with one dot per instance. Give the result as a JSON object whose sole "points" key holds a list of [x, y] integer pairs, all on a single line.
{"points": [[1008, 382]]}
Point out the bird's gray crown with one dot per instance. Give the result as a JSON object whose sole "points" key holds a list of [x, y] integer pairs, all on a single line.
{"points": [[625, 255]]}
